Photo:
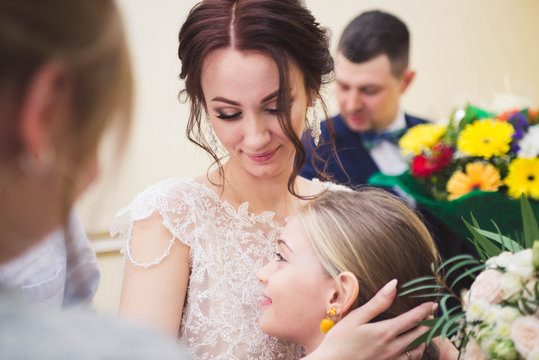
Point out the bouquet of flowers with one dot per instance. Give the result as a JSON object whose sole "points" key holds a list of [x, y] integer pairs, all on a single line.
{"points": [[480, 162], [478, 150], [498, 318]]}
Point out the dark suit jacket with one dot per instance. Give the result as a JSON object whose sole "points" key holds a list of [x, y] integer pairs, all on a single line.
{"points": [[360, 166], [355, 159]]}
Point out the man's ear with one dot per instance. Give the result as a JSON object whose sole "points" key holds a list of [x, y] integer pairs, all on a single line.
{"points": [[406, 79], [345, 293], [42, 103]]}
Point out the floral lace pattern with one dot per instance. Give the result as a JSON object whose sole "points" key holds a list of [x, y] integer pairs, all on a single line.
{"points": [[227, 247]]}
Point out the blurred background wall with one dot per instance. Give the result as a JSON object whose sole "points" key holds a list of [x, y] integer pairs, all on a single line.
{"points": [[462, 51]]}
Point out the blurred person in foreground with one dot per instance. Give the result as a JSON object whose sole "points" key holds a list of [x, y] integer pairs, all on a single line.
{"points": [[65, 78]]}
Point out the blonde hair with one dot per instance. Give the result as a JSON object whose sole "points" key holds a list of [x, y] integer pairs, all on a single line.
{"points": [[372, 234], [86, 38]]}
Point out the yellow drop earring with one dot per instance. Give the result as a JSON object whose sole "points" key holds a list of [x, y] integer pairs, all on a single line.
{"points": [[328, 323]]}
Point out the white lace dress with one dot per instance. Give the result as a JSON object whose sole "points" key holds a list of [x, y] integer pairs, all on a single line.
{"points": [[227, 247]]}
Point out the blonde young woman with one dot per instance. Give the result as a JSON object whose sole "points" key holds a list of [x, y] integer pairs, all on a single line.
{"points": [[252, 70], [334, 255], [65, 78]]}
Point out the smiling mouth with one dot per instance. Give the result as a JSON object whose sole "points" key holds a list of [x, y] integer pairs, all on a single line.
{"points": [[263, 157]]}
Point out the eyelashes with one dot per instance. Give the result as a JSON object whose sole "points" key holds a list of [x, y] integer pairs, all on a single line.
{"points": [[229, 117], [279, 257], [238, 114]]}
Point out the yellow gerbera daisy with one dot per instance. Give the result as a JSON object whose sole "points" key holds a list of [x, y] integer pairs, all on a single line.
{"points": [[486, 138], [477, 176], [419, 137], [523, 178]]}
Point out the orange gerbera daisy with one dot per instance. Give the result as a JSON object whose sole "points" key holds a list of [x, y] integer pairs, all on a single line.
{"points": [[477, 176]]}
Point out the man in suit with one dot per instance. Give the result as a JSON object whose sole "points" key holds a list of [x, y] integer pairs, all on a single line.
{"points": [[371, 71]]}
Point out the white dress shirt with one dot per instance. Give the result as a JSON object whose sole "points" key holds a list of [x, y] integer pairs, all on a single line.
{"points": [[387, 155]]}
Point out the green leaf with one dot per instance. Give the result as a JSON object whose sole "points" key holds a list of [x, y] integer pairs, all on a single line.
{"points": [[460, 265], [508, 243], [480, 251], [531, 230], [418, 280], [468, 273], [489, 248], [454, 259], [451, 325], [428, 295], [418, 288], [423, 338], [499, 238]]}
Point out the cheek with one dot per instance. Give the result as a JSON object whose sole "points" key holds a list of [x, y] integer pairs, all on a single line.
{"points": [[299, 120], [228, 133]]}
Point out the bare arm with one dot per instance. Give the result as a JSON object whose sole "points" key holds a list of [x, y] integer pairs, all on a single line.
{"points": [[354, 338], [155, 295]]}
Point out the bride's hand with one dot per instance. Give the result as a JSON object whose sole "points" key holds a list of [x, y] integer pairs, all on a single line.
{"points": [[354, 338]]}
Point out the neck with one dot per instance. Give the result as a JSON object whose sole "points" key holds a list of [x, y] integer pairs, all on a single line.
{"points": [[313, 343], [262, 193]]}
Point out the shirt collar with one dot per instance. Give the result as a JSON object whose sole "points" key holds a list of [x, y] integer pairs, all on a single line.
{"points": [[398, 123]]}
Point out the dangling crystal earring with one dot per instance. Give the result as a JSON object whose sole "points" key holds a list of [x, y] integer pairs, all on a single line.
{"points": [[328, 322], [315, 127], [210, 136]]}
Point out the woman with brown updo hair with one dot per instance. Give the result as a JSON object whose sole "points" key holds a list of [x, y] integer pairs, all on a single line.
{"points": [[252, 69]]}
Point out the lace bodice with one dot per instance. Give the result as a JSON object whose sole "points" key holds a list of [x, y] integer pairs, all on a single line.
{"points": [[227, 247]]}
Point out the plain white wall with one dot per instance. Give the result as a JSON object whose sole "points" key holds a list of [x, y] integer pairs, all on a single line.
{"points": [[462, 51]]}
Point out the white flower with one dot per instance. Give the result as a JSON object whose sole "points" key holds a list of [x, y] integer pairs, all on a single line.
{"points": [[521, 264], [501, 260], [492, 314], [476, 311], [488, 344], [503, 330], [505, 350], [534, 355], [529, 145], [511, 285], [508, 314]]}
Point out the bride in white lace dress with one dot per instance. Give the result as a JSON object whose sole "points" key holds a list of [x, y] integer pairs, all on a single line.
{"points": [[251, 68]]}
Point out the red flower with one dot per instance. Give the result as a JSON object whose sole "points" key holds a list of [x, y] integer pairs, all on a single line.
{"points": [[507, 114], [424, 166]]}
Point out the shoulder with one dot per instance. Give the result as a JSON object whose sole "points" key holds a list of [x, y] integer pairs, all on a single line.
{"points": [[413, 120], [315, 186], [91, 336], [168, 196]]}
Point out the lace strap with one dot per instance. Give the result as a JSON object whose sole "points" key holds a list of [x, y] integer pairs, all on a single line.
{"points": [[127, 252]]}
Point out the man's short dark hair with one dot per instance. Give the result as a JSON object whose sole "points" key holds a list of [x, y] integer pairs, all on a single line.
{"points": [[374, 33]]}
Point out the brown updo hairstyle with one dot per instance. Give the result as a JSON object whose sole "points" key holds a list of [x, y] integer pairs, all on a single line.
{"points": [[280, 29], [86, 39], [375, 236]]}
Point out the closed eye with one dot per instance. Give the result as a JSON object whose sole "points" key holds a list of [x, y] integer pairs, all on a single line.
{"points": [[279, 257], [229, 117]]}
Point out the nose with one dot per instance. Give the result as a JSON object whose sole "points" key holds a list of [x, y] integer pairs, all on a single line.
{"points": [[257, 132], [353, 101], [264, 273]]}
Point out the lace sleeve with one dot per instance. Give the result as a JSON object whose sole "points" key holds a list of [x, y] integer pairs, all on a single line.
{"points": [[173, 201]]}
